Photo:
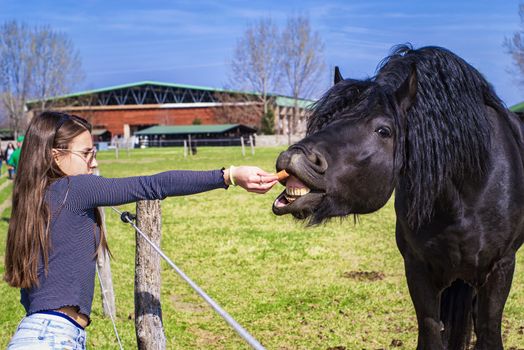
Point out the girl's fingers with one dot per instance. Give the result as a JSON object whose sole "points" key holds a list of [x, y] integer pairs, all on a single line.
{"points": [[267, 185], [262, 179], [264, 173], [264, 186], [269, 177], [255, 186], [254, 179]]}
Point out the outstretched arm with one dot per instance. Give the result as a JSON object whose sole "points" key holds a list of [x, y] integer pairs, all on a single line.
{"points": [[89, 191]]}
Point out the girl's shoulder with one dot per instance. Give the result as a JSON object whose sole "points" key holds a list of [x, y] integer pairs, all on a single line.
{"points": [[71, 187], [72, 181]]}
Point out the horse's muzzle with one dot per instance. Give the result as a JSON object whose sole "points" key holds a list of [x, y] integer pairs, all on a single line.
{"points": [[306, 164], [307, 169]]}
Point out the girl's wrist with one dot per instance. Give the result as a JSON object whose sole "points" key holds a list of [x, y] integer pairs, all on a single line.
{"points": [[231, 175], [227, 177]]}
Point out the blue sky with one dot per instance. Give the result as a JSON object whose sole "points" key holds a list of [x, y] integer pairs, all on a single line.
{"points": [[191, 42]]}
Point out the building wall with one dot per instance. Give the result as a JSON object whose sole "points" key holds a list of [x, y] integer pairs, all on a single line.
{"points": [[282, 117], [125, 120], [114, 120]]}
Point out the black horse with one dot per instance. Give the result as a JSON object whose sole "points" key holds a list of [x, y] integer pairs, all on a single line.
{"points": [[430, 127]]}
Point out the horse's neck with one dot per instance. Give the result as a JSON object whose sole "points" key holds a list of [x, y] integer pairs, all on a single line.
{"points": [[497, 187]]}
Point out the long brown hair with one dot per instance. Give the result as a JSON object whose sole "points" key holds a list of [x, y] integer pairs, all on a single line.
{"points": [[28, 235]]}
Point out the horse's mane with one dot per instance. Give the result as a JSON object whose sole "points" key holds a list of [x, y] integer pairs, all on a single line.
{"points": [[446, 134]]}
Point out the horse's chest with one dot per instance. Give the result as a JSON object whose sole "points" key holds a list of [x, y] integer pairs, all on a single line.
{"points": [[450, 254]]}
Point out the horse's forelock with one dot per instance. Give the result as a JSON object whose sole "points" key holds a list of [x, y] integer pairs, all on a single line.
{"points": [[346, 99]]}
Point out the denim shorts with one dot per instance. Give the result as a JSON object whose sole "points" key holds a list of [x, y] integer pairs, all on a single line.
{"points": [[41, 331]]}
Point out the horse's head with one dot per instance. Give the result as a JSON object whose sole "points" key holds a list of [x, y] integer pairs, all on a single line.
{"points": [[348, 162]]}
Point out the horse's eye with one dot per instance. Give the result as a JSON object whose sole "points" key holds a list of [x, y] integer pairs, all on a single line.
{"points": [[383, 131]]}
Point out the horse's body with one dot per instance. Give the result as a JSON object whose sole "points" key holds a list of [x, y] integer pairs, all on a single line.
{"points": [[429, 127], [462, 260]]}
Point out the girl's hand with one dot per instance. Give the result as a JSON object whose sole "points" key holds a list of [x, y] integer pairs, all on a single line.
{"points": [[251, 178]]}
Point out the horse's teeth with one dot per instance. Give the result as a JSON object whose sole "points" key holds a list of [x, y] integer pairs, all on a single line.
{"points": [[297, 191], [290, 199]]}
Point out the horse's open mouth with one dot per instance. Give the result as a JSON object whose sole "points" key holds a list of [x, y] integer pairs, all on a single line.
{"points": [[296, 197]]}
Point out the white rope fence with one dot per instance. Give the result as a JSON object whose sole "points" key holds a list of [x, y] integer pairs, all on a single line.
{"points": [[128, 218], [110, 314]]}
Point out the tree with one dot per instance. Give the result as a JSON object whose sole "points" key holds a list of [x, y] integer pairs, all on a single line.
{"points": [[515, 46], [238, 108], [256, 65], [35, 63], [303, 62], [57, 68], [268, 123]]}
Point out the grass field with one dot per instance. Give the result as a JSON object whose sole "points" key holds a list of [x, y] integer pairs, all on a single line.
{"points": [[336, 286]]}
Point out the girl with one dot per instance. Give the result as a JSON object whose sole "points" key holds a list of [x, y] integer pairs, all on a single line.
{"points": [[55, 228]]}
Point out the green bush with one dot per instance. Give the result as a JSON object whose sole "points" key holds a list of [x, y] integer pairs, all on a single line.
{"points": [[268, 123]]}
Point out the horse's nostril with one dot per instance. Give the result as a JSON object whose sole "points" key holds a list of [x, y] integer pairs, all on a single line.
{"points": [[299, 155], [313, 158], [318, 160]]}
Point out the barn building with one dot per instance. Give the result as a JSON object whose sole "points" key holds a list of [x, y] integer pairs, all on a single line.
{"points": [[203, 135], [126, 109]]}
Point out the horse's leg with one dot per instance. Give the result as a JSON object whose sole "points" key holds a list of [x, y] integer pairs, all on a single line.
{"points": [[426, 300], [491, 299]]}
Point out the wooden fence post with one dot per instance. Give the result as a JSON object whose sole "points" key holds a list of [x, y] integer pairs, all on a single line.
{"points": [[251, 142], [148, 310], [106, 285], [104, 269]]}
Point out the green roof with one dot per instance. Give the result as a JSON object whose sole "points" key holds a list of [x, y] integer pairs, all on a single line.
{"points": [[186, 129], [284, 101], [142, 83], [519, 107]]}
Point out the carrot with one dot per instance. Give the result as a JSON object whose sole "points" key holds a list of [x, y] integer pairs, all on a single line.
{"points": [[282, 175]]}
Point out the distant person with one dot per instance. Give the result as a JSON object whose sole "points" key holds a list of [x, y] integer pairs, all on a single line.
{"points": [[193, 147], [15, 157], [8, 153], [55, 230]]}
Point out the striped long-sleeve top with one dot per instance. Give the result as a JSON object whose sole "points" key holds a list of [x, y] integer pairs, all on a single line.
{"points": [[74, 235]]}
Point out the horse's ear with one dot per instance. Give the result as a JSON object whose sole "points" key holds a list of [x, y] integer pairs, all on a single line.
{"points": [[338, 76], [407, 91]]}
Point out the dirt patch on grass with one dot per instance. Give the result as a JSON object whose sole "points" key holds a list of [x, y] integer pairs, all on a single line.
{"points": [[397, 343], [185, 306], [205, 338], [364, 275]]}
